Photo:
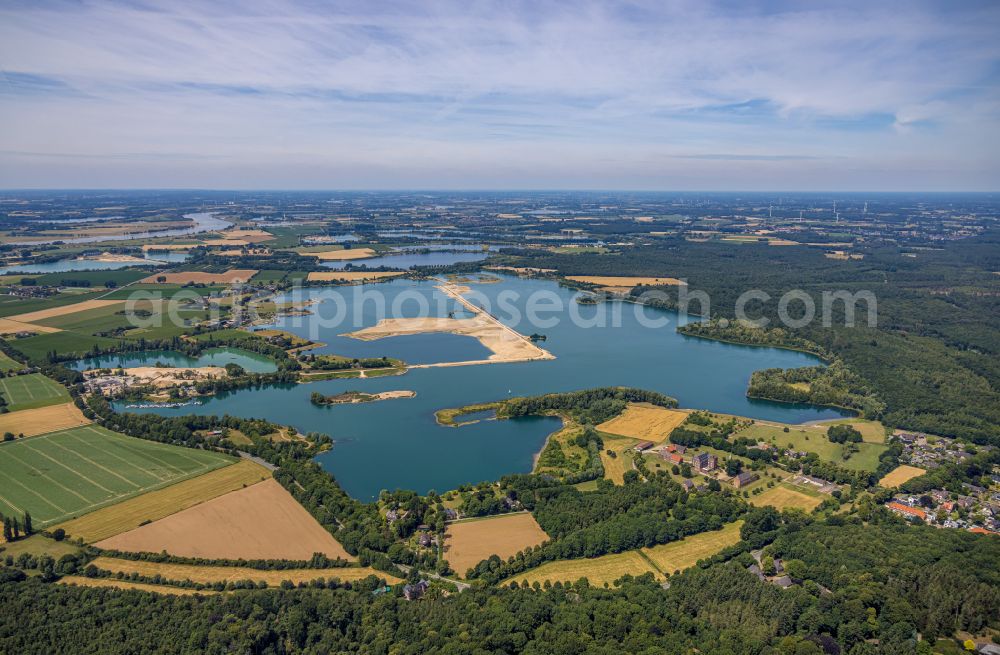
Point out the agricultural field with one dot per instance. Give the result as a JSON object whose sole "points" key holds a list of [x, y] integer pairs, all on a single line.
{"points": [[95, 279], [62, 310], [262, 521], [683, 554], [232, 276], [813, 439], [786, 495], [155, 505], [8, 364], [13, 305], [68, 473], [899, 475], [111, 583], [615, 467], [32, 391], [599, 571], [212, 574], [328, 253], [38, 347], [42, 420], [661, 560], [350, 276], [470, 542], [645, 422]]}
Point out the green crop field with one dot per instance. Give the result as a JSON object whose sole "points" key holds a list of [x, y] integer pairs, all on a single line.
{"points": [[37, 347], [61, 475], [95, 279], [8, 364], [11, 305], [31, 391]]}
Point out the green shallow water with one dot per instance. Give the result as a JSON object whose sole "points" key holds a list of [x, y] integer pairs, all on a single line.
{"points": [[398, 444]]}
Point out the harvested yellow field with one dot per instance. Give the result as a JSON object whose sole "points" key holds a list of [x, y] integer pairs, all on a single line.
{"points": [[470, 542], [683, 554], [232, 276], [615, 467], [599, 571], [52, 312], [154, 247], [782, 497], [899, 475], [645, 422], [7, 326], [32, 422], [260, 522], [351, 276], [624, 282], [340, 255], [79, 580], [158, 504], [253, 236], [212, 574]]}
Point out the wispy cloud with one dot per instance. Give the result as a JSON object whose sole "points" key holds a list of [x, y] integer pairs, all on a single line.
{"points": [[391, 94]]}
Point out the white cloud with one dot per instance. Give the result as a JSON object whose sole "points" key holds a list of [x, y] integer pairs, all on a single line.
{"points": [[502, 86]]}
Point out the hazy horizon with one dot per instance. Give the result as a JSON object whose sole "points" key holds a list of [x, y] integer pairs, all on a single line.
{"points": [[305, 95]]}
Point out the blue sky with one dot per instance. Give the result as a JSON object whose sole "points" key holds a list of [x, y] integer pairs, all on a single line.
{"points": [[439, 94]]}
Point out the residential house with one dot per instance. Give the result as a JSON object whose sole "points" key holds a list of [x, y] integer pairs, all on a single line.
{"points": [[903, 510], [415, 591]]}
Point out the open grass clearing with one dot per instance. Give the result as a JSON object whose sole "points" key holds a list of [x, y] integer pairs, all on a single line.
{"points": [[645, 422], [599, 571], [813, 439], [683, 554], [38, 347], [68, 473], [262, 521], [38, 545], [8, 364], [111, 583], [787, 495], [899, 475], [470, 542], [212, 574], [155, 505], [615, 466], [42, 420], [32, 391]]}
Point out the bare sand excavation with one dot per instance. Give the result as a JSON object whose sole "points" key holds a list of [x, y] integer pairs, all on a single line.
{"points": [[232, 276], [32, 422], [161, 377], [506, 344], [262, 521]]}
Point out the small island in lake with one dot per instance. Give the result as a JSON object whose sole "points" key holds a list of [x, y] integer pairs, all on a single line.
{"points": [[351, 397]]}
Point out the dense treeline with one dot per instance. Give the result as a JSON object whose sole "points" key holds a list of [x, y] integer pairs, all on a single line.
{"points": [[610, 520], [834, 385], [865, 590], [933, 356], [591, 406]]}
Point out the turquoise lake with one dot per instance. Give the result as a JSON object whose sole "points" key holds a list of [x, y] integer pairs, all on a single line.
{"points": [[212, 357], [398, 444]]}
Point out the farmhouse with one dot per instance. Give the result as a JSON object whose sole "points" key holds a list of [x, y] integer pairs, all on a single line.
{"points": [[643, 445], [705, 461], [415, 591], [675, 458]]}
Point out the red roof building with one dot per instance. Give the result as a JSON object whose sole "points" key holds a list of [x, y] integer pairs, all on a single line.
{"points": [[900, 508]]}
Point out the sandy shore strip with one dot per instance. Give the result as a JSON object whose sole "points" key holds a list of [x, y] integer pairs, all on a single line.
{"points": [[506, 344], [112, 257]]}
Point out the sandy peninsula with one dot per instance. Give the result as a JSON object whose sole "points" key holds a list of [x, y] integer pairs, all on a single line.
{"points": [[506, 344]]}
